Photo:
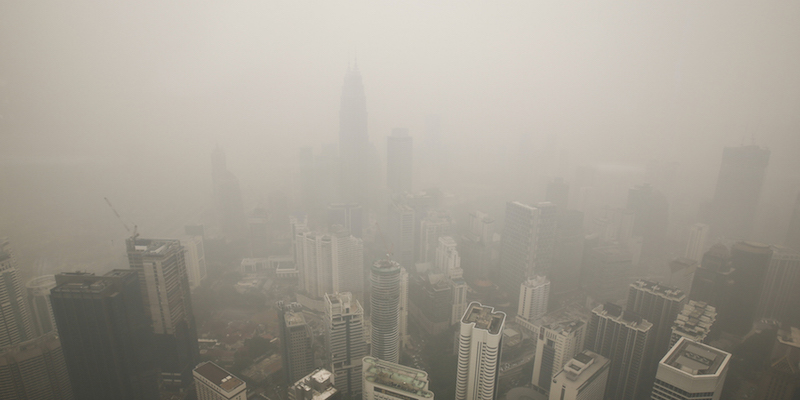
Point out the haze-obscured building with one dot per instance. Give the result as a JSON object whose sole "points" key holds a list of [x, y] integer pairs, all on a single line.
{"points": [[35, 370], [318, 385], [41, 311], [479, 349], [384, 380], [694, 322], [345, 341], [214, 383], [690, 371], [582, 378], [296, 340]]}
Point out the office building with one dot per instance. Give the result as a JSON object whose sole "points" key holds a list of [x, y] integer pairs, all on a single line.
{"points": [[164, 280], [582, 378], [659, 304], [387, 281], [780, 294], [399, 161], [384, 380], [35, 370], [41, 312], [615, 225], [317, 385], [344, 341], [559, 336], [479, 345], [694, 322], [195, 260], [698, 235], [691, 370], [749, 263], [732, 210], [401, 233], [15, 323], [228, 204], [215, 383], [623, 338], [434, 226], [106, 335], [527, 244], [296, 340], [348, 215], [534, 293]]}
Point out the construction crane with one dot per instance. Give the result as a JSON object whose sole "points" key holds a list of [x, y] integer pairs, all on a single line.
{"points": [[389, 247], [135, 228]]}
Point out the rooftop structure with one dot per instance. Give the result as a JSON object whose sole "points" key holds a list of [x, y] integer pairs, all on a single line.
{"points": [[694, 322], [215, 383], [484, 318], [383, 379], [660, 289], [315, 386], [691, 370], [583, 377]]}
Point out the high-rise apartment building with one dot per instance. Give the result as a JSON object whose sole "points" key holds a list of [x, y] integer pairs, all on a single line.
{"points": [[344, 341], [164, 280], [106, 335], [732, 210], [41, 312], [694, 322], [698, 235], [296, 340], [35, 370], [384, 380], [399, 161], [401, 233], [318, 385], [348, 215], [582, 378], [329, 263], [659, 304], [527, 244], [385, 298], [15, 323], [559, 336], [780, 294], [479, 345], [534, 293], [214, 383], [691, 371], [434, 226], [623, 338]]}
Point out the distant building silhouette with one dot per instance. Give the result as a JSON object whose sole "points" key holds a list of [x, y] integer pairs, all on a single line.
{"points": [[479, 345], [793, 234], [527, 244], [105, 335], [432, 227], [750, 262], [348, 215], [399, 161], [732, 210], [356, 153], [478, 249], [558, 193], [698, 235], [227, 198]]}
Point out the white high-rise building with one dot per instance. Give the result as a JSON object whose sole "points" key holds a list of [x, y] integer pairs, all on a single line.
{"points": [[386, 278], [330, 263], [195, 259], [447, 258], [348, 263], [215, 383], [698, 234], [479, 352], [534, 293], [391, 381], [345, 341], [582, 378], [690, 371]]}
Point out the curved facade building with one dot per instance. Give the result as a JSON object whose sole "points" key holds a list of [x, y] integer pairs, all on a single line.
{"points": [[35, 370], [15, 324], [385, 303], [479, 352], [38, 292]]}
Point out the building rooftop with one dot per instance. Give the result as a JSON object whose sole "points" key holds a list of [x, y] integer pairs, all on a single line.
{"points": [[484, 317], [294, 318], [627, 318], [660, 289], [536, 281], [695, 319], [218, 376], [695, 359], [583, 366], [565, 320], [315, 386], [396, 376], [385, 267], [151, 247]]}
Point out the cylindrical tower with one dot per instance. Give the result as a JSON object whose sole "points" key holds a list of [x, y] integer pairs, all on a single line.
{"points": [[385, 302], [38, 290]]}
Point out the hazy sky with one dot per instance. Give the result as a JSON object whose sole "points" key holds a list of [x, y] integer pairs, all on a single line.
{"points": [[154, 85]]}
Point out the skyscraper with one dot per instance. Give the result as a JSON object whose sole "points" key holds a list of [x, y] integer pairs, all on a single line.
{"points": [[479, 345], [195, 260], [35, 370], [329, 263], [296, 339], [712, 282], [354, 145], [215, 383], [227, 198], [399, 161], [164, 280], [384, 380], [780, 294], [652, 217], [691, 370], [15, 323], [344, 341], [527, 244], [105, 335], [434, 226], [386, 279], [622, 337], [698, 234], [534, 293], [582, 378], [732, 210], [38, 291], [749, 262], [401, 233], [659, 304], [560, 336]]}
